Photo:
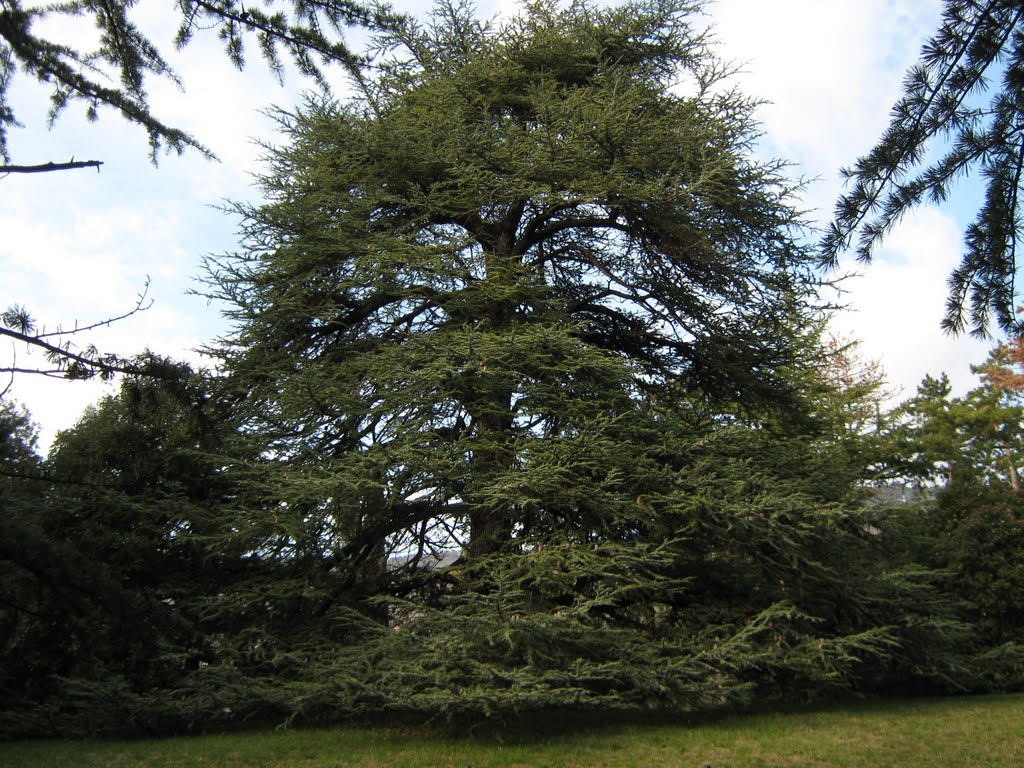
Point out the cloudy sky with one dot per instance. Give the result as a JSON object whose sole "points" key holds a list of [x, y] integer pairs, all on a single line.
{"points": [[77, 247]]}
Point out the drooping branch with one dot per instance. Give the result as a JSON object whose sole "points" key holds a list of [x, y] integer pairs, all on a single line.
{"points": [[941, 99]]}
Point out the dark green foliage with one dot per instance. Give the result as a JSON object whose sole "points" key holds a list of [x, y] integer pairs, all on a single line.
{"points": [[984, 545], [465, 283], [964, 451], [978, 43], [499, 306], [61, 614], [731, 581], [113, 538]]}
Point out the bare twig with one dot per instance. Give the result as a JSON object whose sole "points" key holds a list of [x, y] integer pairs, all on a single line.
{"points": [[141, 305]]}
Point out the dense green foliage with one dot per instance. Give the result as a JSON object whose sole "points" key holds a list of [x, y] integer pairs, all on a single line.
{"points": [[970, 447], [99, 543], [977, 44], [474, 288], [526, 406]]}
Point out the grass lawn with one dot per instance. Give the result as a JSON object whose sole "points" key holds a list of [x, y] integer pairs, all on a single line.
{"points": [[982, 732]]}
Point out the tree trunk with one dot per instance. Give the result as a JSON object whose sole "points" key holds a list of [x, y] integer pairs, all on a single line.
{"points": [[1012, 467], [490, 404]]}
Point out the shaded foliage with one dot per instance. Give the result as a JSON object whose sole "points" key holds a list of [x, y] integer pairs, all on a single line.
{"points": [[971, 448], [102, 554]]}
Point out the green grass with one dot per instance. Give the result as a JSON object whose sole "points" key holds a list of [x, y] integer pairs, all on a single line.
{"points": [[975, 732]]}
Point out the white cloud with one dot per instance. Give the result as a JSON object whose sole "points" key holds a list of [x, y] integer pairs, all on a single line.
{"points": [[78, 246], [829, 71], [73, 263], [896, 306]]}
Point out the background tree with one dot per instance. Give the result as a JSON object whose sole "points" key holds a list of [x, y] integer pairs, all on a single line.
{"points": [[840, 437], [976, 44], [1003, 379], [968, 450], [974, 438], [981, 541], [98, 559], [23, 619], [54, 603]]}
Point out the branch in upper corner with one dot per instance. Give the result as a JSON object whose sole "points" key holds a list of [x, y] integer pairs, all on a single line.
{"points": [[47, 167]]}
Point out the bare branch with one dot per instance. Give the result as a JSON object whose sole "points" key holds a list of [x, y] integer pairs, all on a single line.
{"points": [[48, 167], [74, 365], [68, 363], [141, 305]]}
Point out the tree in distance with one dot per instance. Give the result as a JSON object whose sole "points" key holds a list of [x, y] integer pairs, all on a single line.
{"points": [[969, 451], [976, 44]]}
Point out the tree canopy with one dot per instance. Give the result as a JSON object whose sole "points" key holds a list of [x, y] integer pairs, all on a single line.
{"points": [[528, 303], [978, 50], [467, 278]]}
